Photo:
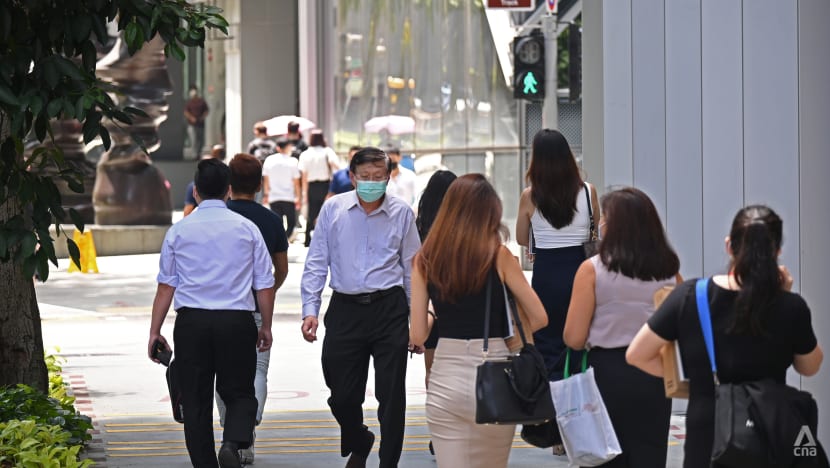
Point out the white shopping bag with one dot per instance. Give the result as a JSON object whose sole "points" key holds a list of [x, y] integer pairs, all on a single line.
{"points": [[586, 429]]}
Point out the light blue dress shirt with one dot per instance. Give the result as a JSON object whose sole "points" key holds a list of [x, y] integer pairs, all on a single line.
{"points": [[213, 258], [365, 253]]}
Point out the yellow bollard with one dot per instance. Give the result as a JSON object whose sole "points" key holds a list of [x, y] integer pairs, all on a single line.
{"points": [[86, 244]]}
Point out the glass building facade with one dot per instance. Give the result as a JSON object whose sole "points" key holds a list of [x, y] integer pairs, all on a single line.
{"points": [[422, 75]]}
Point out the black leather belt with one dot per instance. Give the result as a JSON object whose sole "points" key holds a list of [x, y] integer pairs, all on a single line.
{"points": [[368, 298]]}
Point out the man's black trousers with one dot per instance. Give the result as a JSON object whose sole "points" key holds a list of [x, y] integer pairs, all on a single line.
{"points": [[220, 344], [354, 332]]}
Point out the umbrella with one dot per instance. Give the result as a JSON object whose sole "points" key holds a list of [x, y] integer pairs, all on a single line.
{"points": [[393, 124], [279, 125]]}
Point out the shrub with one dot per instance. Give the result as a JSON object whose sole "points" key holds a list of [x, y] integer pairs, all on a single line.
{"points": [[25, 403], [57, 386], [29, 444]]}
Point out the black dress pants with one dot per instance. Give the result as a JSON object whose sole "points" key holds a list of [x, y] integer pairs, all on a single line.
{"points": [[354, 332], [220, 344], [317, 192], [285, 209]]}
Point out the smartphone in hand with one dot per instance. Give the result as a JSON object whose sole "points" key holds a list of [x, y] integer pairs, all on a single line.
{"points": [[161, 353]]}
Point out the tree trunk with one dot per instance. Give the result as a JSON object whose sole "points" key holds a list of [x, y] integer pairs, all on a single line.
{"points": [[21, 340]]}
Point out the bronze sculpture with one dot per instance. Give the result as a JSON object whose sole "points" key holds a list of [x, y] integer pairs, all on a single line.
{"points": [[129, 188]]}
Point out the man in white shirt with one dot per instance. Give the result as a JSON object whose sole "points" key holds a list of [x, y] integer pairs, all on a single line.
{"points": [[402, 180], [281, 182], [210, 262]]}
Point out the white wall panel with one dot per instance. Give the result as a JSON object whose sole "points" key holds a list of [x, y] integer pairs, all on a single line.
{"points": [[684, 186], [616, 40], [649, 99], [722, 123], [814, 146], [770, 115]]}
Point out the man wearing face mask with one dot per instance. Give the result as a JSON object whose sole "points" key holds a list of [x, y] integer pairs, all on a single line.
{"points": [[367, 240]]}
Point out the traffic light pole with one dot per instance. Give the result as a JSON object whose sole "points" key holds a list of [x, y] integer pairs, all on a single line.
{"points": [[550, 110]]}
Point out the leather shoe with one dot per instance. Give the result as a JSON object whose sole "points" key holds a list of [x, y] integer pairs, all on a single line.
{"points": [[229, 455], [358, 459]]}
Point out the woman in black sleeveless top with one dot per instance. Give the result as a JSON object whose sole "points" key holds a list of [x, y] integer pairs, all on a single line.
{"points": [[760, 328], [461, 254]]}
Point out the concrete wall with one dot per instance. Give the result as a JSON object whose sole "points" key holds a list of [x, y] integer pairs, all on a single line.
{"points": [[710, 105], [814, 170], [261, 66]]}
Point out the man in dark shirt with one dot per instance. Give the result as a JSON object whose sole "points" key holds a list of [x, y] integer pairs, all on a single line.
{"points": [[340, 180], [296, 138], [246, 178], [190, 203], [195, 112], [261, 146]]}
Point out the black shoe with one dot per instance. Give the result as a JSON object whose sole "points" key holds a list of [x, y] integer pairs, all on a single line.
{"points": [[358, 459], [431, 448], [229, 455]]}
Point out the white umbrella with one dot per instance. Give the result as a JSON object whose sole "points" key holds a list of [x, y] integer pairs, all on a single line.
{"points": [[279, 125], [393, 124]]}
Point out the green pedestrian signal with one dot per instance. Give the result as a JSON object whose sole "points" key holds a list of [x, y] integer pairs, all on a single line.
{"points": [[530, 84], [529, 67]]}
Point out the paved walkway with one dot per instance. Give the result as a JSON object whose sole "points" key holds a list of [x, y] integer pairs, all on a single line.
{"points": [[100, 323]]}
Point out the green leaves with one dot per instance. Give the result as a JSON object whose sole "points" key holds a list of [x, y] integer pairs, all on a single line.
{"points": [[134, 35], [172, 49], [38, 430], [7, 96], [47, 71]]}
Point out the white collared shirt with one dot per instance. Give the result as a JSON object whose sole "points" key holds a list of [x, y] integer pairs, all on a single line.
{"points": [[403, 185], [213, 258]]}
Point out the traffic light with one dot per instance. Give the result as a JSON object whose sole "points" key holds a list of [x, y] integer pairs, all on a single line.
{"points": [[529, 67]]}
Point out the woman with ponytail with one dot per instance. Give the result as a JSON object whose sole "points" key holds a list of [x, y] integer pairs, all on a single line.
{"points": [[760, 327]]}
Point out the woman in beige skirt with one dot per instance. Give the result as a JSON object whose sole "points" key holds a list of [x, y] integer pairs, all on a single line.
{"points": [[461, 255]]}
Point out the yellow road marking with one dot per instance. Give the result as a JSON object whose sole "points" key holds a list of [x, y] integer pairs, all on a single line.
{"points": [[275, 452], [323, 410], [280, 421]]}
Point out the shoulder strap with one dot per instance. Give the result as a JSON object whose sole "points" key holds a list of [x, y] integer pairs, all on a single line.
{"points": [[592, 233], [487, 301], [702, 299]]}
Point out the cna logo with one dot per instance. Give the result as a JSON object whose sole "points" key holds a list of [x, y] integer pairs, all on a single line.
{"points": [[805, 443]]}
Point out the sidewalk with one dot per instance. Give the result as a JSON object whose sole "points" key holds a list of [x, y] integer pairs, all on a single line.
{"points": [[100, 322]]}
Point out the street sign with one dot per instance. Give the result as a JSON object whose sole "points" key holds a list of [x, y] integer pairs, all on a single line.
{"points": [[553, 6], [512, 5]]}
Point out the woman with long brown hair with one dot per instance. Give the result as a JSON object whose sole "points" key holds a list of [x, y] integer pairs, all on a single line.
{"points": [[462, 254], [613, 296]]}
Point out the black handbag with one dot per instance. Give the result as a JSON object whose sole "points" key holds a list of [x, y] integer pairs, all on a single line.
{"points": [[175, 391], [591, 246], [512, 389], [763, 423]]}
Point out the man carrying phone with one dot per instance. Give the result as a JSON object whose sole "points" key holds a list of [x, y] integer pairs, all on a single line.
{"points": [[367, 240], [209, 263]]}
